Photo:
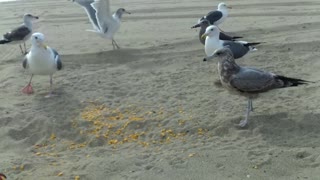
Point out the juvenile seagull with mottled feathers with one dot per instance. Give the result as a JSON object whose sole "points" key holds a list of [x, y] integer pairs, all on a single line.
{"points": [[41, 60], [248, 81]]}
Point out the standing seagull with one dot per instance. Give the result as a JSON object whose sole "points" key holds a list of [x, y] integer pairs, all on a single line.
{"points": [[105, 24], [203, 24], [216, 17], [247, 81], [41, 60], [21, 33], [238, 48]]}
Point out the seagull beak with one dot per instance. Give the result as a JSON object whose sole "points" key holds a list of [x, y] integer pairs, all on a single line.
{"points": [[127, 12], [204, 36], [195, 26], [229, 7], [36, 17], [44, 46], [210, 57]]}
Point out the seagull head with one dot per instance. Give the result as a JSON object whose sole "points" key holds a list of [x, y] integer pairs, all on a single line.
{"points": [[211, 31], [121, 11], [29, 17], [223, 6], [3, 177], [222, 53], [37, 39]]}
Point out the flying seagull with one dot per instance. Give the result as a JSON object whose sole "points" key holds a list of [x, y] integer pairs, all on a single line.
{"points": [[104, 24], [238, 48], [41, 60], [248, 81], [203, 24], [21, 33], [218, 16]]}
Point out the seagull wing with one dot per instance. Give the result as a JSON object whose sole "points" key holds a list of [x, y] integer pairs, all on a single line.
{"points": [[253, 80], [213, 16], [25, 64], [17, 34], [103, 14], [90, 12], [57, 59]]}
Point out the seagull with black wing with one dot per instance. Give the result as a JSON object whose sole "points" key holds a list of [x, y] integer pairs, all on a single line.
{"points": [[21, 33]]}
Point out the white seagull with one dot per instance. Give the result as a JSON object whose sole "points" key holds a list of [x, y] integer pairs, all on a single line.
{"points": [[105, 24], [21, 33], [41, 60], [238, 48]]}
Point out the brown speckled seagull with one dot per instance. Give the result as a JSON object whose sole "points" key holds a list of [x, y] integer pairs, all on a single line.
{"points": [[248, 81]]}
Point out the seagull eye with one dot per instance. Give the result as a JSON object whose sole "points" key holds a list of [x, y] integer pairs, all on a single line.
{"points": [[211, 29], [36, 37]]}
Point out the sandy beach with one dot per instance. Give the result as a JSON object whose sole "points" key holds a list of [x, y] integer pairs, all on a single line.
{"points": [[151, 110]]}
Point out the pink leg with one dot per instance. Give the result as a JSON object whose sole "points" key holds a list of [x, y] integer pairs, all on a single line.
{"points": [[28, 89]]}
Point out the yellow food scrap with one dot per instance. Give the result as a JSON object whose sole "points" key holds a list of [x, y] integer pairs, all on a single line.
{"points": [[53, 136], [77, 178], [113, 141], [192, 154], [38, 153], [22, 167], [60, 174]]}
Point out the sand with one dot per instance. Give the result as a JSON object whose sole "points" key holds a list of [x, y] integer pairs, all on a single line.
{"points": [[151, 110]]}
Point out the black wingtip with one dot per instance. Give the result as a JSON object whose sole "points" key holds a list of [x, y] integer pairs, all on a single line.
{"points": [[4, 41], [237, 37], [292, 81]]}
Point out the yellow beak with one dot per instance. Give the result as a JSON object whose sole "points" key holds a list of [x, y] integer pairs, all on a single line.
{"points": [[204, 36], [44, 46]]}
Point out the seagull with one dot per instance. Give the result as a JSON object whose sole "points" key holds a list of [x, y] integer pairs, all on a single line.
{"points": [[203, 24], [247, 81], [41, 60], [238, 48], [216, 17], [3, 177], [21, 33], [104, 24]]}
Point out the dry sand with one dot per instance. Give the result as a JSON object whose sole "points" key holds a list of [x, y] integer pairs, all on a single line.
{"points": [[149, 110]]}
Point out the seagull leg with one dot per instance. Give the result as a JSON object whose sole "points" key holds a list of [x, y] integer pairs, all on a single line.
{"points": [[25, 48], [21, 49], [51, 91], [244, 122], [28, 89], [251, 106], [115, 43]]}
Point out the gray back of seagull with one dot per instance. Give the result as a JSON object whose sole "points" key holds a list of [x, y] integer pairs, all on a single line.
{"points": [[214, 16], [17, 34], [237, 48]]}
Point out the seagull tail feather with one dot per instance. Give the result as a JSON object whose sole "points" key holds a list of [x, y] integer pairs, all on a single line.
{"points": [[4, 41], [288, 82]]}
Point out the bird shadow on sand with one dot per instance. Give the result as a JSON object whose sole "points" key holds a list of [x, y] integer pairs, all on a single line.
{"points": [[52, 115], [115, 57], [288, 130]]}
